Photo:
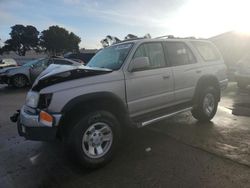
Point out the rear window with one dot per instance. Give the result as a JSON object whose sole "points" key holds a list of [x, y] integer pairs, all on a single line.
{"points": [[207, 51]]}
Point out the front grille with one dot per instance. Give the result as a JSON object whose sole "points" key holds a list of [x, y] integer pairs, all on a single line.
{"points": [[44, 101]]}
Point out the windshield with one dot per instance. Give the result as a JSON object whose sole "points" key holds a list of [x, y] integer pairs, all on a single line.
{"points": [[32, 62], [111, 57]]}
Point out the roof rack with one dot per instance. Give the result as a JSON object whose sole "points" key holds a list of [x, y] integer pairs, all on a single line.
{"points": [[173, 37], [166, 36], [125, 40]]}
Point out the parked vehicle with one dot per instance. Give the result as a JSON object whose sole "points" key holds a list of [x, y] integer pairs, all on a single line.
{"points": [[83, 57], [242, 74], [130, 84], [7, 62], [26, 74]]}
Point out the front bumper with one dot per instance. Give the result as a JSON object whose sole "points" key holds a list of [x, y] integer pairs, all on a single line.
{"points": [[4, 79], [30, 127]]}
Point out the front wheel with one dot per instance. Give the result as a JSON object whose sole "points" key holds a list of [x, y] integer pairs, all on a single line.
{"points": [[206, 106], [95, 138]]}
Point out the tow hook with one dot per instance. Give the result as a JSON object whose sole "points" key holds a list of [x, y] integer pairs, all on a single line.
{"points": [[15, 116]]}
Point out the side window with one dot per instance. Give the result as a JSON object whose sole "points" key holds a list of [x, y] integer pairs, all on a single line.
{"points": [[62, 62], [140, 52], [207, 51], [154, 52], [179, 54], [41, 64]]}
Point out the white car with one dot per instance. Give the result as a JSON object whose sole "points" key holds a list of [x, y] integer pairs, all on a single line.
{"points": [[242, 74], [8, 62]]}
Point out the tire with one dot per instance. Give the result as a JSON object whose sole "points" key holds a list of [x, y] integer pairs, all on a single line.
{"points": [[242, 85], [206, 105], [95, 138], [19, 81]]}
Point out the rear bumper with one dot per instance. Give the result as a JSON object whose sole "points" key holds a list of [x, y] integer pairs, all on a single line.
{"points": [[29, 126]]}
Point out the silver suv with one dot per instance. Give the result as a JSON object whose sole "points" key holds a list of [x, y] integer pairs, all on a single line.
{"points": [[130, 84]]}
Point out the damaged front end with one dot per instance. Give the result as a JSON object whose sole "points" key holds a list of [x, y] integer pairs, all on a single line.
{"points": [[35, 121], [57, 76]]}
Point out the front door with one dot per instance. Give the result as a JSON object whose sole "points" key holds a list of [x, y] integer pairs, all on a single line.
{"points": [[150, 89]]}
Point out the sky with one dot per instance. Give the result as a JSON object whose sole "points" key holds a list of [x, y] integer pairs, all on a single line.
{"points": [[92, 20]]}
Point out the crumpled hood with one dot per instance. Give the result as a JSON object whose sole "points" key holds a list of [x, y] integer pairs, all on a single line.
{"points": [[60, 73]]}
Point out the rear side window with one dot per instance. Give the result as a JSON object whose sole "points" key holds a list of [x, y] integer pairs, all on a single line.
{"points": [[154, 52], [207, 51], [179, 53]]}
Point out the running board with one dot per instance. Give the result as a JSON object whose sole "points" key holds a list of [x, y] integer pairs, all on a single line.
{"points": [[145, 123]]}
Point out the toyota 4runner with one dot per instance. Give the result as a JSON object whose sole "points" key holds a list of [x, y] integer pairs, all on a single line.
{"points": [[129, 84]]}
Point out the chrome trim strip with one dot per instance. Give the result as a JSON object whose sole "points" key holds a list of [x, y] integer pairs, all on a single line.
{"points": [[164, 117]]}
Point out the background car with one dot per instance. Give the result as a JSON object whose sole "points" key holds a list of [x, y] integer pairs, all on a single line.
{"points": [[84, 57], [8, 62], [26, 74], [242, 74]]}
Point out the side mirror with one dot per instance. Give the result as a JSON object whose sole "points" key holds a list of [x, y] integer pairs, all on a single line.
{"points": [[139, 63]]}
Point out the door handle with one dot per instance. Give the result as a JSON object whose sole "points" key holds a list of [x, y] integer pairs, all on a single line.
{"points": [[166, 77], [198, 71]]}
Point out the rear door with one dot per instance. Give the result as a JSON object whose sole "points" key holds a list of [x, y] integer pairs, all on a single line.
{"points": [[150, 89], [185, 68]]}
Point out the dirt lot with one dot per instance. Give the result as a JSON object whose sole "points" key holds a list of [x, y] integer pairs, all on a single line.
{"points": [[183, 152]]}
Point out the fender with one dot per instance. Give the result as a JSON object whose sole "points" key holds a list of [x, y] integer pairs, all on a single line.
{"points": [[94, 96], [110, 101]]}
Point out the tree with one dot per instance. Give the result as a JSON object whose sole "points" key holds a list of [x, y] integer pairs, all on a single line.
{"points": [[22, 39], [109, 40], [58, 40]]}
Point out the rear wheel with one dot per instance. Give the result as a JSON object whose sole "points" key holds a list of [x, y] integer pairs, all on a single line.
{"points": [[19, 81], [206, 106], [95, 138]]}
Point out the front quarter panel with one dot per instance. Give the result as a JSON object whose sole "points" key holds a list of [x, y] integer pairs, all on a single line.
{"points": [[66, 91]]}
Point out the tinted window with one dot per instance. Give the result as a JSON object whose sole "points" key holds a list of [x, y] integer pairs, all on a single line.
{"points": [[207, 51], [62, 62], [179, 54], [154, 52]]}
